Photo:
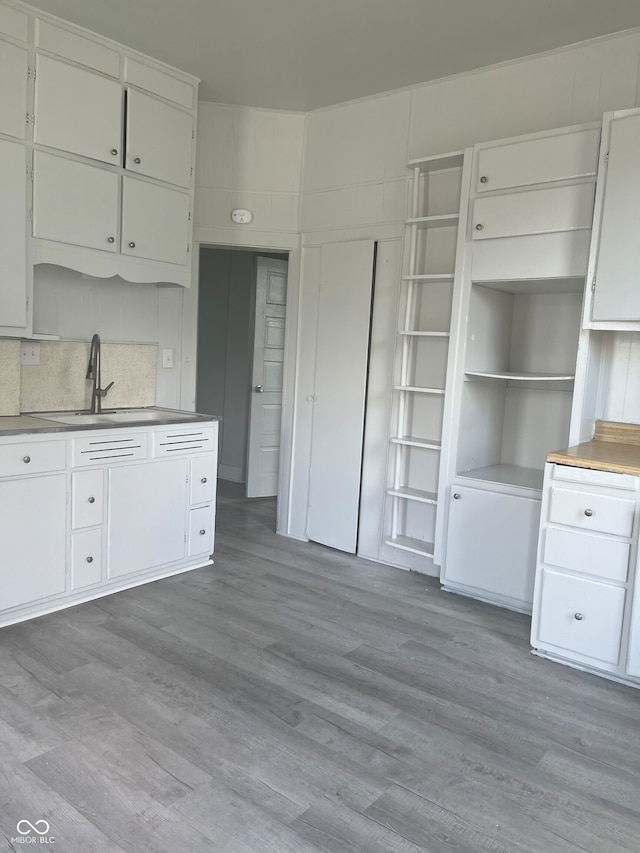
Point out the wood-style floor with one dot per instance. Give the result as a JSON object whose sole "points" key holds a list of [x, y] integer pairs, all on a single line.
{"points": [[292, 699]]}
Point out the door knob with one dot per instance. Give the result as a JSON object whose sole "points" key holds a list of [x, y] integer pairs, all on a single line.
{"points": [[259, 389]]}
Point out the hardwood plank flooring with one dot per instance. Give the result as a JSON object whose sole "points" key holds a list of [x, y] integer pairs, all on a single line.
{"points": [[294, 699]]}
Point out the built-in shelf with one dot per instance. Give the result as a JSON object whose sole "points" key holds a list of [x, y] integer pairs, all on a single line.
{"points": [[521, 377], [417, 334], [414, 441], [414, 495], [414, 546], [508, 475], [431, 276], [440, 221], [418, 389], [438, 163]]}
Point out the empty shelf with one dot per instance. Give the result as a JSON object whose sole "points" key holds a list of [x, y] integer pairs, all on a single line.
{"points": [[446, 219], [521, 377], [419, 389], [414, 495], [508, 475], [415, 546], [438, 162], [429, 276], [417, 334], [414, 441]]}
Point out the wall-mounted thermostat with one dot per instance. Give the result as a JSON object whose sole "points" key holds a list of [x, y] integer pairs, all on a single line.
{"points": [[241, 216]]}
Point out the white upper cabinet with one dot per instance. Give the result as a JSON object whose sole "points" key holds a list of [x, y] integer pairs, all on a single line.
{"points": [[564, 156], [13, 250], [159, 139], [616, 249], [14, 70], [155, 222], [75, 202], [78, 111]]}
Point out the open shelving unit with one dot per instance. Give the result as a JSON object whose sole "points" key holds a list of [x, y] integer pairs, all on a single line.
{"points": [[432, 249]]}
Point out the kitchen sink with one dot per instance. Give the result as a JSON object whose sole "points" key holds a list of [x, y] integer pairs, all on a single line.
{"points": [[117, 416]]}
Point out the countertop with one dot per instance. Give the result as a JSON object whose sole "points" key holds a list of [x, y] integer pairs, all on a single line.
{"points": [[34, 422], [614, 448]]}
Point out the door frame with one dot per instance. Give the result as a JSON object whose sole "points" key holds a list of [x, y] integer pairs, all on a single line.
{"points": [[189, 358]]}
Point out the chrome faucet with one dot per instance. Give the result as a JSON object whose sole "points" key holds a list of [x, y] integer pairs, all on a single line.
{"points": [[93, 372]]}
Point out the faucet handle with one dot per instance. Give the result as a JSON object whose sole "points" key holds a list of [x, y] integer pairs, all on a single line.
{"points": [[102, 392]]}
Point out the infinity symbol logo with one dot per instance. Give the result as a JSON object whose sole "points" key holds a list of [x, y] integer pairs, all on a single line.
{"points": [[41, 827]]}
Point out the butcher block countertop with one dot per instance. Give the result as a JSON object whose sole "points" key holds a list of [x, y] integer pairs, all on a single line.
{"points": [[615, 448]]}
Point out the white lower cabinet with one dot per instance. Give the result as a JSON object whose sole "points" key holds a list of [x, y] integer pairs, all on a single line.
{"points": [[89, 513], [587, 551], [490, 548]]}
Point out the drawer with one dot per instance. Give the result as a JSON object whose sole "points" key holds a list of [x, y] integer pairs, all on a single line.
{"points": [[87, 498], [533, 212], [559, 157], [591, 477], [32, 458], [200, 531], [592, 511], [587, 553], [182, 439], [202, 480], [581, 616], [115, 447], [86, 558]]}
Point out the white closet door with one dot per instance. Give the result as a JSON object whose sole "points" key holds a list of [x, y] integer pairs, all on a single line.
{"points": [[342, 354], [13, 237]]}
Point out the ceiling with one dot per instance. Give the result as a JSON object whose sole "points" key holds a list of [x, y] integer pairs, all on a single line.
{"points": [[305, 54]]}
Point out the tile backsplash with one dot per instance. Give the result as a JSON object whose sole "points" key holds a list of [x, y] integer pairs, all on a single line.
{"points": [[59, 382]]}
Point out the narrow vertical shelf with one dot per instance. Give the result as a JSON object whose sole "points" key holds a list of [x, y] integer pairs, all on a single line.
{"points": [[431, 253]]}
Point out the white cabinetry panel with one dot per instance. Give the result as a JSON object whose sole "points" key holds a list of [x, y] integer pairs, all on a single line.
{"points": [[592, 555], [86, 558], [159, 139], [147, 505], [33, 537], [13, 234], [75, 203], [14, 62], [540, 160], [78, 111], [87, 489], [155, 222], [581, 616], [592, 511], [77, 47], [617, 292], [200, 532]]}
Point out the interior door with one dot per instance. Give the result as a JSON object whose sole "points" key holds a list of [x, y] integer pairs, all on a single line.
{"points": [[265, 411], [342, 358]]}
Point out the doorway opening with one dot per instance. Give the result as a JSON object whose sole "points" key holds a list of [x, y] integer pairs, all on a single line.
{"points": [[240, 359]]}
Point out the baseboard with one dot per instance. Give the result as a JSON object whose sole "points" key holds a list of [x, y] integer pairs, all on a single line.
{"points": [[231, 472]]}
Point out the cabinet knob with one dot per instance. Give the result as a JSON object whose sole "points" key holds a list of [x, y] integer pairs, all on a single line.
{"points": [[456, 496], [137, 161], [578, 617], [588, 513], [111, 239], [132, 245], [202, 532], [259, 389], [479, 227], [92, 500], [203, 480], [114, 152], [89, 559], [484, 179], [26, 459]]}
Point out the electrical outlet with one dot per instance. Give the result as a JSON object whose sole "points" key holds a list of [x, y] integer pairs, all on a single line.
{"points": [[167, 358], [30, 352]]}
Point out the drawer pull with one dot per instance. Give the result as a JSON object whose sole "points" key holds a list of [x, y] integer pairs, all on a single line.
{"points": [[89, 559], [588, 513], [26, 459], [202, 532], [92, 500], [479, 227], [203, 480], [456, 496], [484, 179], [578, 617]]}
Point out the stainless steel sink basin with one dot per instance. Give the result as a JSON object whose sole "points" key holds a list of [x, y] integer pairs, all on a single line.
{"points": [[119, 416]]}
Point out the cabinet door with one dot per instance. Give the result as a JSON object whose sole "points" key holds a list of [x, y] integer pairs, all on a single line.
{"points": [[617, 291], [147, 516], [491, 544], [13, 236], [159, 139], [74, 202], [13, 89], [633, 663], [155, 222], [78, 111], [32, 539]]}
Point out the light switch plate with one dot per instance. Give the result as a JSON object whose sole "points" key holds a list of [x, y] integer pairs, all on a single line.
{"points": [[167, 358], [30, 352]]}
